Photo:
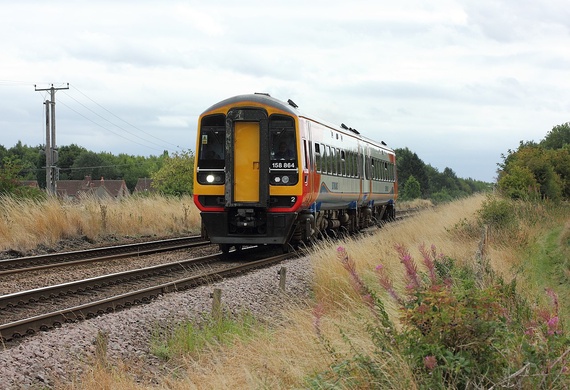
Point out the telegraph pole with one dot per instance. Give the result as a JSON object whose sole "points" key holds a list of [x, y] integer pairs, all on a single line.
{"points": [[52, 173]]}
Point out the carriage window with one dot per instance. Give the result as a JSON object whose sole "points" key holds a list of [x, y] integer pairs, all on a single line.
{"points": [[306, 151], [212, 142], [343, 163], [318, 163], [334, 159], [329, 160], [282, 140]]}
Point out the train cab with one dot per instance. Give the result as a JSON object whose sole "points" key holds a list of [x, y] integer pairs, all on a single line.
{"points": [[247, 174], [267, 174]]}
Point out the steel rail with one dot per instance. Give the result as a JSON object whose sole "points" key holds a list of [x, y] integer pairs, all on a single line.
{"points": [[44, 322], [22, 264], [44, 293]]}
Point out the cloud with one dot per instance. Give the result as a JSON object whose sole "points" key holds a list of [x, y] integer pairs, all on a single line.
{"points": [[457, 81]]}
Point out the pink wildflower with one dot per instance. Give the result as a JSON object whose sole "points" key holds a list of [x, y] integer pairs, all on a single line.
{"points": [[318, 313], [554, 298], [430, 362], [409, 265], [552, 325], [429, 261], [350, 266], [386, 283]]}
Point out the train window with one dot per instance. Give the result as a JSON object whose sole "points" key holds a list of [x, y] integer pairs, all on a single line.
{"points": [[343, 162], [305, 150], [327, 157], [282, 139], [329, 160], [211, 153], [386, 172], [334, 159], [318, 162], [378, 170]]}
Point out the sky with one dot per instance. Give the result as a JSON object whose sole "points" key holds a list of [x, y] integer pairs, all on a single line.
{"points": [[459, 82]]}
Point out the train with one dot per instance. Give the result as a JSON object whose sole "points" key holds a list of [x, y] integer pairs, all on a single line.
{"points": [[267, 174]]}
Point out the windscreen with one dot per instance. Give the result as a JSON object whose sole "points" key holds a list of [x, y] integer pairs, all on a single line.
{"points": [[212, 149]]}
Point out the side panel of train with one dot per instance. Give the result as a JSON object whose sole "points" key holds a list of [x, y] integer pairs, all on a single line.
{"points": [[266, 175]]}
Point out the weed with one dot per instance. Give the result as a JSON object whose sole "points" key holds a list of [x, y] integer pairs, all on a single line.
{"points": [[192, 337], [457, 332]]}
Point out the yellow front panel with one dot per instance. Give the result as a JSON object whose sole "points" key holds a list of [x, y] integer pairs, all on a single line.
{"points": [[246, 162]]}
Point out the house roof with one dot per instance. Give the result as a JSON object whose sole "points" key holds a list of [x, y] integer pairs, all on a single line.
{"points": [[76, 188], [144, 185]]}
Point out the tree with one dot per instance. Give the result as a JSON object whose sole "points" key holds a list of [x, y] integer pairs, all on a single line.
{"points": [[67, 156], [518, 183], [93, 164], [411, 189], [538, 161], [176, 176], [10, 182], [408, 164], [557, 137]]}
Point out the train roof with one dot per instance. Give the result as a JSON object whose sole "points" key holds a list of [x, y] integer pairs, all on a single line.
{"points": [[292, 108], [261, 98]]}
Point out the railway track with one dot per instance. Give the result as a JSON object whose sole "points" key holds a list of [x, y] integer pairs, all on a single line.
{"points": [[32, 263], [27, 312]]}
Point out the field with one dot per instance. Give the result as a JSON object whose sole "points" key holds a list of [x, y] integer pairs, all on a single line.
{"points": [[27, 226], [498, 286]]}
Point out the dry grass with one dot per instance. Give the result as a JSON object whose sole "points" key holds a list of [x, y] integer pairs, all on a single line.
{"points": [[431, 227], [26, 224], [292, 351]]}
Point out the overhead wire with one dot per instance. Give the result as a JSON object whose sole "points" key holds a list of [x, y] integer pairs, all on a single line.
{"points": [[126, 134], [105, 128], [121, 119]]}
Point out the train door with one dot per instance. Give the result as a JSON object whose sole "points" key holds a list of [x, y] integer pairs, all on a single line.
{"points": [[246, 162], [247, 158], [308, 150]]}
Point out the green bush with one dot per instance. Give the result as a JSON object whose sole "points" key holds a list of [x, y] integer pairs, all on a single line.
{"points": [[462, 327], [498, 213]]}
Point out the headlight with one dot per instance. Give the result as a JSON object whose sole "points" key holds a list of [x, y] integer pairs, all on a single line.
{"points": [[283, 179], [211, 178]]}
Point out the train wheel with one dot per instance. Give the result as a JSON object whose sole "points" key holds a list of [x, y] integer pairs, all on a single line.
{"points": [[225, 248]]}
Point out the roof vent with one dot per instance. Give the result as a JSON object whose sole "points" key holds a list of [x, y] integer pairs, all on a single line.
{"points": [[262, 93], [354, 130], [343, 126], [292, 103]]}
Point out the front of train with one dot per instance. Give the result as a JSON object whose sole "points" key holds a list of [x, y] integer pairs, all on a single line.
{"points": [[248, 175]]}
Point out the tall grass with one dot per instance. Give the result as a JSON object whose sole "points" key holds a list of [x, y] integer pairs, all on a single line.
{"points": [[355, 334], [26, 224]]}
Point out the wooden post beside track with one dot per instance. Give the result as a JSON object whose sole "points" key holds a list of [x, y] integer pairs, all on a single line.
{"points": [[217, 304], [282, 275]]}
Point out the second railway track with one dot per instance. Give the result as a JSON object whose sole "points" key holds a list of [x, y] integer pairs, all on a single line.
{"points": [[31, 263], [27, 312]]}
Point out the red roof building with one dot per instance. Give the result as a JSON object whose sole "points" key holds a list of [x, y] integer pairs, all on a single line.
{"points": [[75, 189]]}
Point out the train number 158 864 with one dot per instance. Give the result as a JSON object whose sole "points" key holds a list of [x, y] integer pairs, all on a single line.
{"points": [[282, 165]]}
